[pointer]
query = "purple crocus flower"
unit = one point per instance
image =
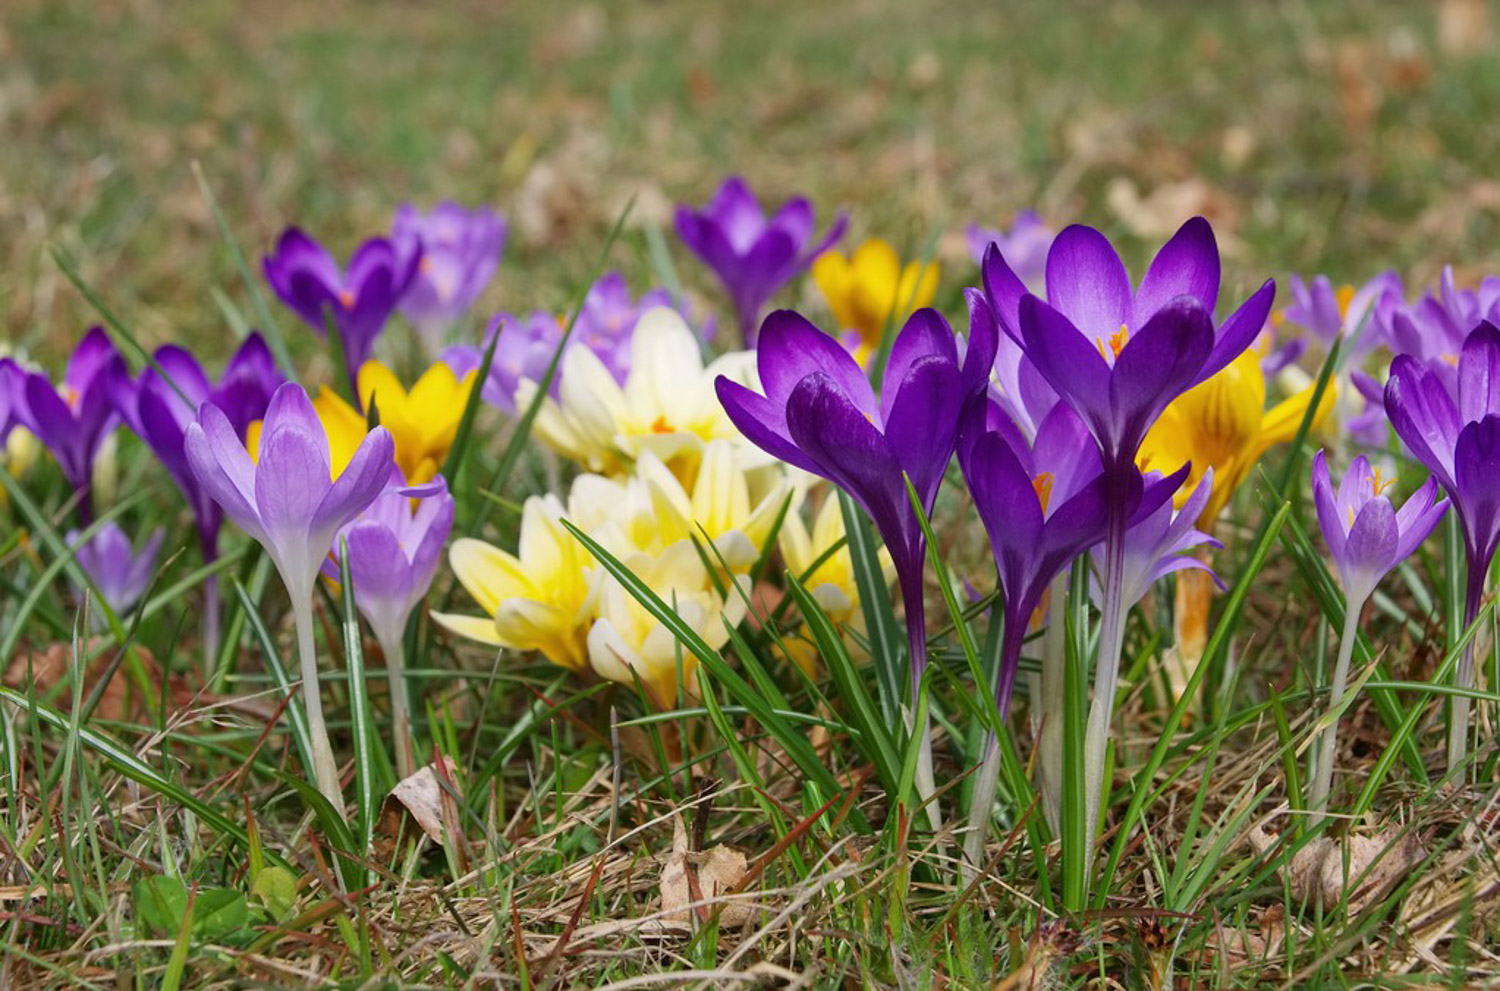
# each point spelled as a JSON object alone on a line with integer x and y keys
{"x": 1367, "y": 537}
{"x": 1434, "y": 327}
{"x": 1158, "y": 541}
{"x": 10, "y": 393}
{"x": 1118, "y": 355}
{"x": 118, "y": 570}
{"x": 159, "y": 410}
{"x": 394, "y": 549}
{"x": 289, "y": 501}
{"x": 1449, "y": 418}
{"x": 72, "y": 418}
{"x": 361, "y": 299}
{"x": 752, "y": 254}
{"x": 820, "y": 414}
{"x": 1042, "y": 504}
{"x": 606, "y": 323}
{"x": 459, "y": 249}
{"x": 1015, "y": 383}
{"x": 1328, "y": 311}
{"x": 1024, "y": 246}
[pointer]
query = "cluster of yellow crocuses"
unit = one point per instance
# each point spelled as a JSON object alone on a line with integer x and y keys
{"x": 673, "y": 492}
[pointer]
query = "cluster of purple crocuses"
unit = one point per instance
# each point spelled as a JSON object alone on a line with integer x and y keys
{"x": 1044, "y": 402}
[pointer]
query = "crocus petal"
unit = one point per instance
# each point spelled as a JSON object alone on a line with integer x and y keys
{"x": 1330, "y": 520}
{"x": 223, "y": 468}
{"x": 1068, "y": 360}
{"x": 1479, "y": 373}
{"x": 1087, "y": 282}
{"x": 1187, "y": 265}
{"x": 359, "y": 483}
{"x": 762, "y": 422}
{"x": 1158, "y": 363}
{"x": 1239, "y": 331}
{"x": 1371, "y": 549}
{"x": 926, "y": 335}
{"x": 923, "y": 413}
{"x": 291, "y": 478}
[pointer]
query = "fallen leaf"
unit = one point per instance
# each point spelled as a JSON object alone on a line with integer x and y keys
{"x": 1375, "y": 866}
{"x": 421, "y": 796}
{"x": 1463, "y": 26}
{"x": 712, "y": 873}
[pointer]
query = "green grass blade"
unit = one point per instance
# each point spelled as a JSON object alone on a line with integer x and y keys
{"x": 359, "y": 707}
{"x": 887, "y": 645}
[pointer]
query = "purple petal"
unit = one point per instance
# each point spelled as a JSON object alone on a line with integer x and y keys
{"x": 1068, "y": 360}
{"x": 922, "y": 424}
{"x": 925, "y": 335}
{"x": 1187, "y": 265}
{"x": 292, "y": 476}
{"x": 1240, "y": 330}
{"x": 358, "y": 484}
{"x": 1479, "y": 373}
{"x": 1087, "y": 282}
{"x": 790, "y": 348}
{"x": 223, "y": 468}
{"x": 762, "y": 422}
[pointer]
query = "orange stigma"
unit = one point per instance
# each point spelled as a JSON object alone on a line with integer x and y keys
{"x": 661, "y": 426}
{"x": 1116, "y": 342}
{"x": 1379, "y": 485}
{"x": 346, "y": 298}
{"x": 1042, "y": 486}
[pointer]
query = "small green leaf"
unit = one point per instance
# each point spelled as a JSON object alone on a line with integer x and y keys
{"x": 159, "y": 903}
{"x": 276, "y": 891}
{"x": 220, "y": 912}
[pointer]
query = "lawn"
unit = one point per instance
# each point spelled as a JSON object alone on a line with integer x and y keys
{"x": 160, "y": 820}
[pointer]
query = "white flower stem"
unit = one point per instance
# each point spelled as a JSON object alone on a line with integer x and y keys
{"x": 1106, "y": 671}
{"x": 325, "y": 768}
{"x": 1322, "y": 783}
{"x": 1053, "y": 702}
{"x": 395, "y": 673}
{"x": 1463, "y": 675}
{"x": 983, "y": 801}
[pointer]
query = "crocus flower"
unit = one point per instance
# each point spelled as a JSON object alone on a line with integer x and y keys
{"x": 819, "y": 413}
{"x": 1024, "y": 246}
{"x": 73, "y": 418}
{"x": 537, "y": 599}
{"x": 361, "y": 299}
{"x": 666, "y": 405}
{"x": 870, "y": 288}
{"x": 1118, "y": 356}
{"x": 605, "y": 325}
{"x": 752, "y": 255}
{"x": 119, "y": 571}
{"x": 1346, "y": 311}
{"x": 1434, "y": 327}
{"x": 1222, "y": 424}
{"x": 1015, "y": 384}
{"x": 1366, "y": 537}
{"x": 423, "y": 422}
{"x": 159, "y": 406}
{"x": 1449, "y": 418}
{"x": 10, "y": 390}
{"x": 289, "y": 499}
{"x": 459, "y": 250}
{"x": 393, "y": 549}
{"x": 1160, "y": 542}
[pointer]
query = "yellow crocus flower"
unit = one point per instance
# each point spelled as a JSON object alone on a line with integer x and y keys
{"x": 866, "y": 289}
{"x": 423, "y": 422}
{"x": 1223, "y": 423}
{"x": 537, "y": 599}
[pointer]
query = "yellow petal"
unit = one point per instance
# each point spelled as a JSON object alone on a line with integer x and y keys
{"x": 343, "y": 424}
{"x": 489, "y": 574}
{"x": 481, "y": 628}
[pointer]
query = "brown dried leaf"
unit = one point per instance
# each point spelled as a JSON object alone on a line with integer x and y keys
{"x": 712, "y": 873}
{"x": 1463, "y": 26}
{"x": 419, "y": 796}
{"x": 1375, "y": 865}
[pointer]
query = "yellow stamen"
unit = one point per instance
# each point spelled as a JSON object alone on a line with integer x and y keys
{"x": 1378, "y": 485}
{"x": 1042, "y": 486}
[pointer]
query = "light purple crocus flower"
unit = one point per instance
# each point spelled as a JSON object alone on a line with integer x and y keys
{"x": 1366, "y": 537}
{"x": 1158, "y": 542}
{"x": 393, "y": 550}
{"x": 118, "y": 570}
{"x": 606, "y": 323}
{"x": 1434, "y": 328}
{"x": 753, "y": 255}
{"x": 460, "y": 250}
{"x": 1449, "y": 418}
{"x": 1015, "y": 384}
{"x": 159, "y": 410}
{"x": 361, "y": 299}
{"x": 1024, "y": 246}
{"x": 11, "y": 385}
{"x": 288, "y": 501}
{"x": 1328, "y": 312}
{"x": 72, "y": 418}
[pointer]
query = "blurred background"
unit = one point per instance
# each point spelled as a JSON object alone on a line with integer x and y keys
{"x": 1338, "y": 137}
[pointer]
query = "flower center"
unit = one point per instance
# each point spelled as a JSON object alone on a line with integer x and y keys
{"x": 661, "y": 426}
{"x": 1042, "y": 486}
{"x": 1379, "y": 485}
{"x": 346, "y": 298}
{"x": 1116, "y": 342}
